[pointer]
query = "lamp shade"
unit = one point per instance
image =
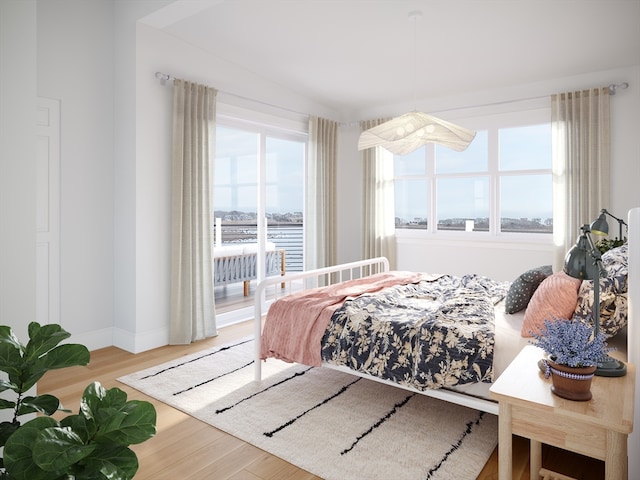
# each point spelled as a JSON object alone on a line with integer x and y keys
{"x": 408, "y": 132}
{"x": 575, "y": 262}
{"x": 600, "y": 226}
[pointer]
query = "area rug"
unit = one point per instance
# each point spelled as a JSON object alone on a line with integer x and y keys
{"x": 332, "y": 424}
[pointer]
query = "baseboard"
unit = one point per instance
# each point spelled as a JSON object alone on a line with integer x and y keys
{"x": 95, "y": 339}
{"x": 136, "y": 342}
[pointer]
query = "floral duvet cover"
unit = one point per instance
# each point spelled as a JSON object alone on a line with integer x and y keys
{"x": 426, "y": 335}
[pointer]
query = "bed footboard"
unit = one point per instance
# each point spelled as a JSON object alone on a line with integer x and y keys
{"x": 299, "y": 281}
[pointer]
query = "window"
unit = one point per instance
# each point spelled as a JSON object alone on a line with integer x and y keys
{"x": 240, "y": 152}
{"x": 501, "y": 184}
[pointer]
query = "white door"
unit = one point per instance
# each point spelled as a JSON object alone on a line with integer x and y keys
{"x": 48, "y": 212}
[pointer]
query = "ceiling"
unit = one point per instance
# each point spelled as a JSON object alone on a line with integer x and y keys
{"x": 353, "y": 54}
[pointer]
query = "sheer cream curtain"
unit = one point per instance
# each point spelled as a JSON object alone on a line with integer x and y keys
{"x": 581, "y": 163}
{"x": 320, "y": 214}
{"x": 378, "y": 223}
{"x": 192, "y": 295}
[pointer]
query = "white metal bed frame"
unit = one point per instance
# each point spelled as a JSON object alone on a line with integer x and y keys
{"x": 296, "y": 282}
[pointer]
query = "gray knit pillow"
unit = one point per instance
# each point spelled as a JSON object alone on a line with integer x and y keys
{"x": 523, "y": 287}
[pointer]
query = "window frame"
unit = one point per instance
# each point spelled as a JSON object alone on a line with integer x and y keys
{"x": 492, "y": 120}
{"x": 265, "y": 126}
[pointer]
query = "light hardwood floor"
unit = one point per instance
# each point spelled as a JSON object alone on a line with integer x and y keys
{"x": 185, "y": 448}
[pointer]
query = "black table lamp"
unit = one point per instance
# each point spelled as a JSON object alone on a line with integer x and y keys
{"x": 584, "y": 261}
{"x": 600, "y": 226}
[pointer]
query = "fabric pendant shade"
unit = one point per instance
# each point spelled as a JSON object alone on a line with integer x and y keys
{"x": 408, "y": 132}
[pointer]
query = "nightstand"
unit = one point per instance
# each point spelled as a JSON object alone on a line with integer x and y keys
{"x": 597, "y": 428}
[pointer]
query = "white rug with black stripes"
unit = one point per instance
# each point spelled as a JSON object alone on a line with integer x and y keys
{"x": 334, "y": 425}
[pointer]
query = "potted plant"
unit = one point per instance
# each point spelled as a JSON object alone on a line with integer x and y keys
{"x": 605, "y": 244}
{"x": 92, "y": 444}
{"x": 573, "y": 355}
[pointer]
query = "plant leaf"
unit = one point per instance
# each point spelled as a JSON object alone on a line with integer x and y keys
{"x": 115, "y": 463}
{"x": 117, "y": 420}
{"x": 57, "y": 448}
{"x": 85, "y": 428}
{"x": 47, "y": 404}
{"x": 18, "y": 452}
{"x": 42, "y": 339}
{"x": 6, "y": 385}
{"x": 6, "y": 430}
{"x": 91, "y": 400}
{"x": 62, "y": 356}
{"x": 11, "y": 362}
{"x": 8, "y": 337}
{"x": 134, "y": 422}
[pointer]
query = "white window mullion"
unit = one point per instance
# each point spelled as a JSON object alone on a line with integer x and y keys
{"x": 261, "y": 209}
{"x": 494, "y": 173}
{"x": 430, "y": 158}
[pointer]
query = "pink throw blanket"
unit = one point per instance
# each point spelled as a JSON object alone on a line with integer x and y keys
{"x": 296, "y": 323}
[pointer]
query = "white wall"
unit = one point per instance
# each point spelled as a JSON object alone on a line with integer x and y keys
{"x": 128, "y": 250}
{"x": 17, "y": 165}
{"x": 75, "y": 66}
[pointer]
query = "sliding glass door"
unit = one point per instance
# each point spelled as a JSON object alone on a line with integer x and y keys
{"x": 242, "y": 153}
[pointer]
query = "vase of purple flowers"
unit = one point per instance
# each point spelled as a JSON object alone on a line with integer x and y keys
{"x": 573, "y": 354}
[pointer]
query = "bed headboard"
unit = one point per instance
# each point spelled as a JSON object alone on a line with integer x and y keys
{"x": 633, "y": 333}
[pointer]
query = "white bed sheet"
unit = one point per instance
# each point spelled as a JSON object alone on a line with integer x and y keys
{"x": 508, "y": 343}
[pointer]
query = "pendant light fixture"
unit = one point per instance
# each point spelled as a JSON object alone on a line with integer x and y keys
{"x": 408, "y": 132}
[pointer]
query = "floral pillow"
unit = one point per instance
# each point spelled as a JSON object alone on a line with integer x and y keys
{"x": 613, "y": 293}
{"x": 523, "y": 287}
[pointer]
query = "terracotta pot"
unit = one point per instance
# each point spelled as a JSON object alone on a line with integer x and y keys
{"x": 573, "y": 383}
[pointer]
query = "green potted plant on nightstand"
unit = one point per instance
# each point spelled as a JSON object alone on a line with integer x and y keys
{"x": 93, "y": 444}
{"x": 573, "y": 355}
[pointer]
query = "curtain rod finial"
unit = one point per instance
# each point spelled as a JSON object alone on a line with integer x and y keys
{"x": 163, "y": 77}
{"x": 615, "y": 86}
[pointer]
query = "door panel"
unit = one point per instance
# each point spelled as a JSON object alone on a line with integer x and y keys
{"x": 48, "y": 211}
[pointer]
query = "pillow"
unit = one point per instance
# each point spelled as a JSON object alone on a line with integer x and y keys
{"x": 555, "y": 298}
{"x": 522, "y": 288}
{"x": 613, "y": 293}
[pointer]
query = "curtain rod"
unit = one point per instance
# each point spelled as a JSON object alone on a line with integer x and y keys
{"x": 613, "y": 88}
{"x": 164, "y": 78}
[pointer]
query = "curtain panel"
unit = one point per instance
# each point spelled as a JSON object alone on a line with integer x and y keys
{"x": 378, "y": 223}
{"x": 581, "y": 163}
{"x": 193, "y": 153}
{"x": 320, "y": 215}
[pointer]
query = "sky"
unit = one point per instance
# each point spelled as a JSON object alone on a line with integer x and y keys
{"x": 462, "y": 190}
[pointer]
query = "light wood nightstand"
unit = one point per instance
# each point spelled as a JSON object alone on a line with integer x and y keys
{"x": 597, "y": 428}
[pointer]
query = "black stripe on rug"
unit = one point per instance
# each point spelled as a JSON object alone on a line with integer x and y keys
{"x": 455, "y": 446}
{"x": 200, "y": 384}
{"x": 178, "y": 365}
{"x": 317, "y": 405}
{"x": 297, "y": 374}
{"x": 389, "y": 414}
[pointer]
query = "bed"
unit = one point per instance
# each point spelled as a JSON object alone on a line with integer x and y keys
{"x": 352, "y": 300}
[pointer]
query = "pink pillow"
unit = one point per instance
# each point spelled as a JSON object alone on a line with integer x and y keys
{"x": 555, "y": 298}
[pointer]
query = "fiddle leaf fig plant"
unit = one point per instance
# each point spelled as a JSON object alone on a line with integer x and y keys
{"x": 90, "y": 445}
